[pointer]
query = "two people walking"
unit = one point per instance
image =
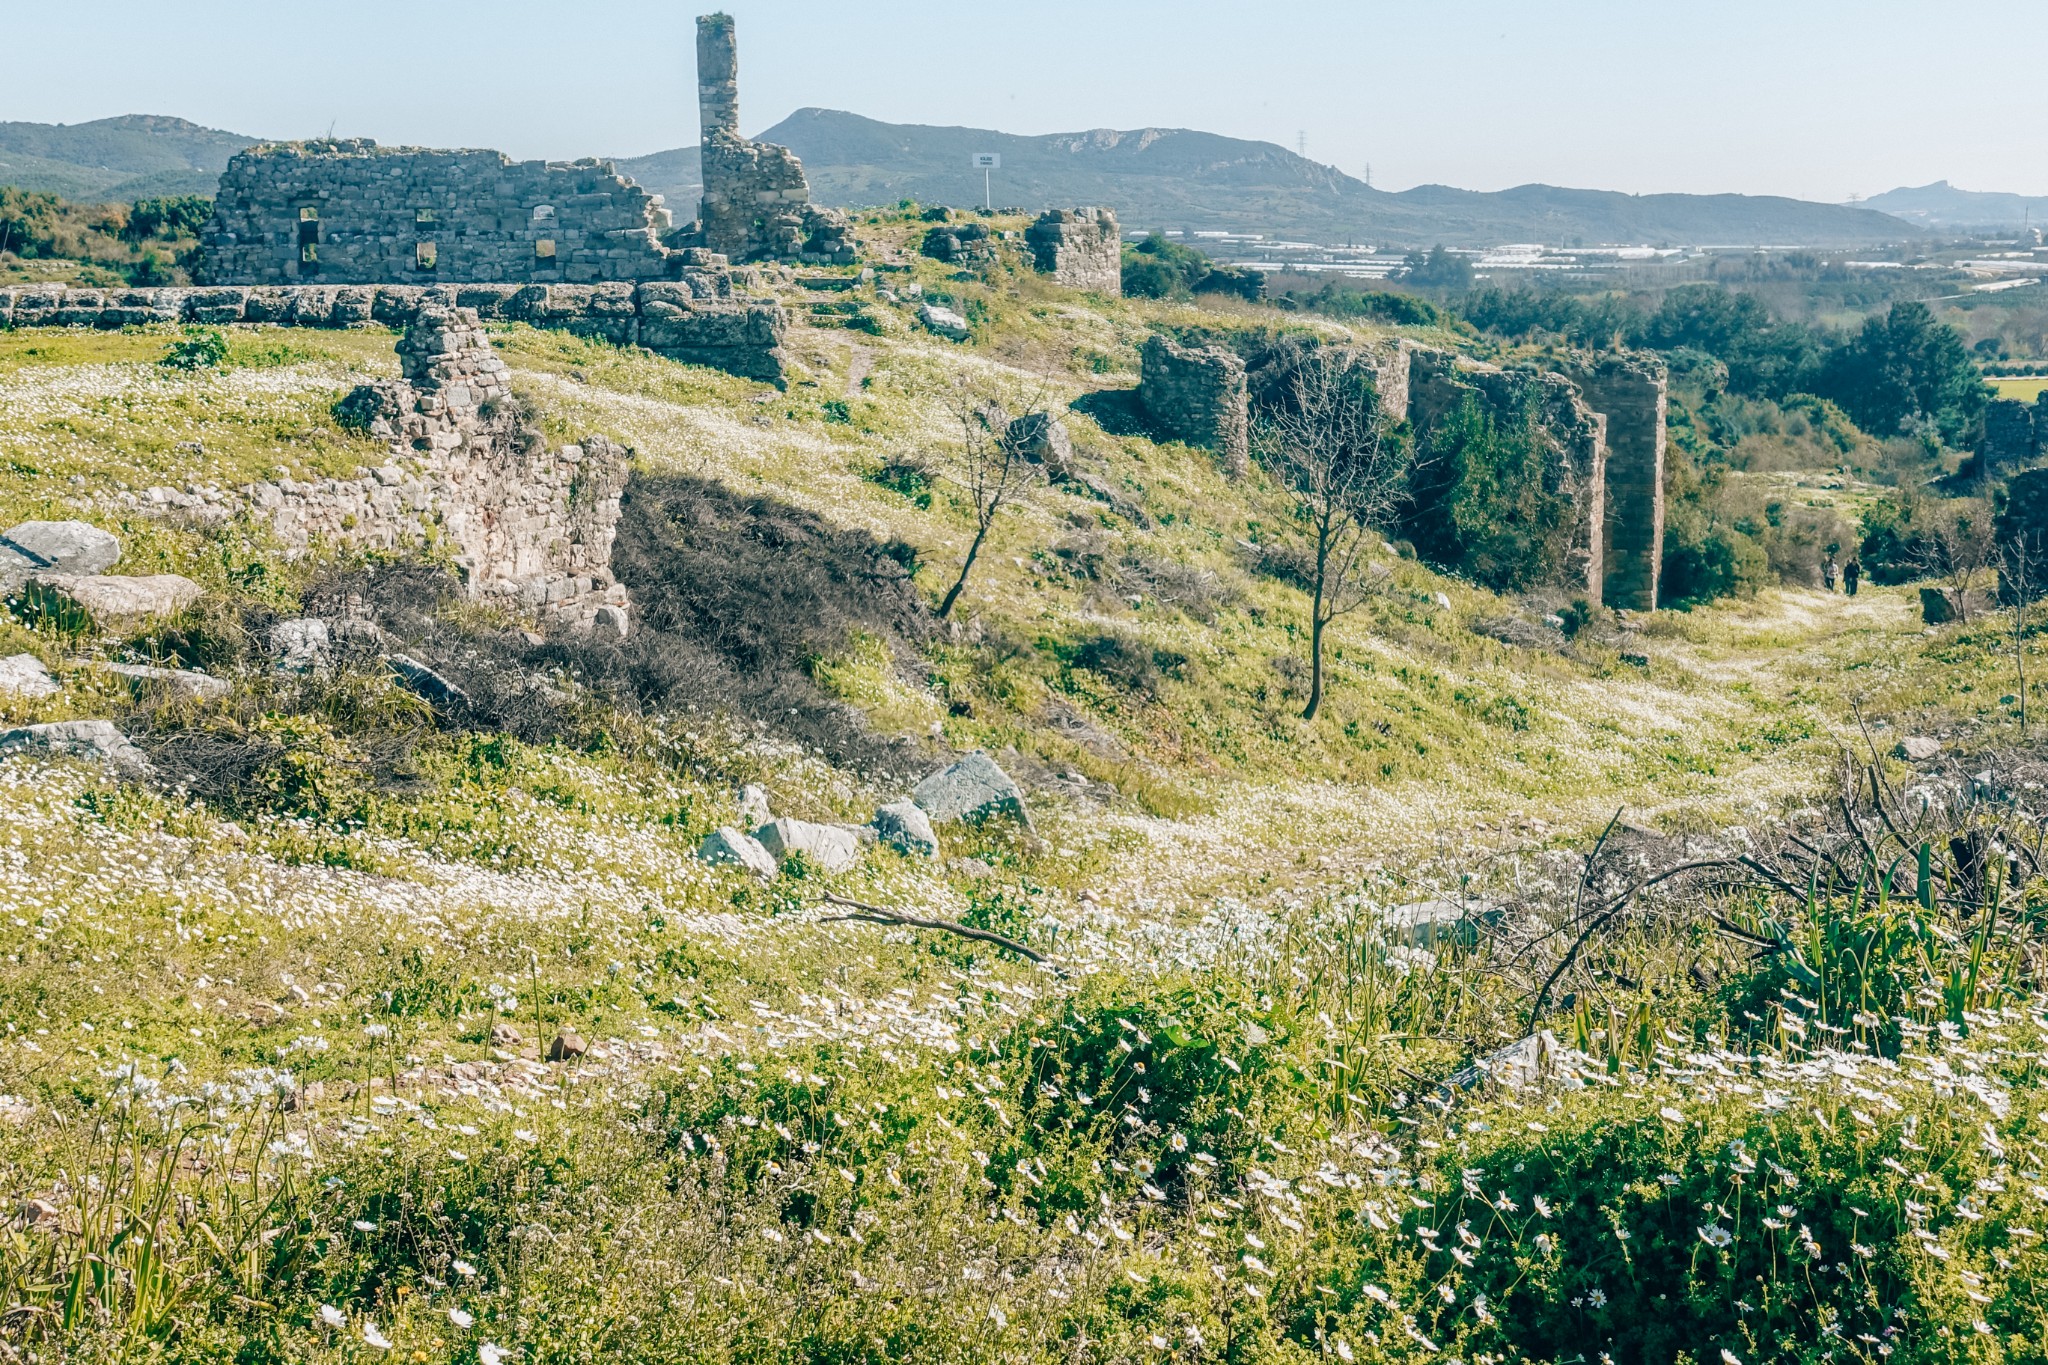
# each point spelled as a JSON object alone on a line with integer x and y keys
{"x": 1851, "y": 574}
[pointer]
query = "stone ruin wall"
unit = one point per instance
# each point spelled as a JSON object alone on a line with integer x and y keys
{"x": 1079, "y": 249}
{"x": 351, "y": 212}
{"x": 529, "y": 528}
{"x": 756, "y": 201}
{"x": 696, "y": 319}
{"x": 2014, "y": 435}
{"x": 1197, "y": 395}
{"x": 1630, "y": 391}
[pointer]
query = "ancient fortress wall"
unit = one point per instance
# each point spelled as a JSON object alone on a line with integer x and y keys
{"x": 697, "y": 319}
{"x": 1079, "y": 249}
{"x": 351, "y": 212}
{"x": 2014, "y": 433}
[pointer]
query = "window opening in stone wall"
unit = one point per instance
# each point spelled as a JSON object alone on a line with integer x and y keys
{"x": 309, "y": 214}
{"x": 423, "y": 216}
{"x": 309, "y": 260}
{"x": 543, "y": 213}
{"x": 544, "y": 249}
{"x": 425, "y": 256}
{"x": 309, "y": 232}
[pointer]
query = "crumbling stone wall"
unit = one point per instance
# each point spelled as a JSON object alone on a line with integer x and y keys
{"x": 2011, "y": 439}
{"x": 1423, "y": 385}
{"x": 1630, "y": 391}
{"x": 1079, "y": 248}
{"x": 696, "y": 318}
{"x": 756, "y": 200}
{"x": 529, "y": 527}
{"x": 1197, "y": 395}
{"x": 351, "y": 212}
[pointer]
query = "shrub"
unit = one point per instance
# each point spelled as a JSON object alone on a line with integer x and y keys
{"x": 201, "y": 348}
{"x": 1478, "y": 504}
{"x": 1705, "y": 560}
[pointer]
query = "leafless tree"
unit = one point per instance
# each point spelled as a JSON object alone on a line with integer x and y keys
{"x": 1329, "y": 442}
{"x": 2022, "y": 569}
{"x": 1959, "y": 548}
{"x": 992, "y": 469}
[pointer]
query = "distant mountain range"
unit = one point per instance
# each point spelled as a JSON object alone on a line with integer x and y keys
{"x": 1176, "y": 178}
{"x": 1152, "y": 177}
{"x": 1942, "y": 205}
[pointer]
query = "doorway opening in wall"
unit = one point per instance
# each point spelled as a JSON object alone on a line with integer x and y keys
{"x": 425, "y": 256}
{"x": 309, "y": 260}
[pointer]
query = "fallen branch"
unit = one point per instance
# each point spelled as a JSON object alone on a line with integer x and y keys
{"x": 875, "y": 914}
{"x": 1607, "y": 913}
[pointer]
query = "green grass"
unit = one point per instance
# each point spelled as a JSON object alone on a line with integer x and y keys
{"x": 800, "y": 1139}
{"x": 2025, "y": 390}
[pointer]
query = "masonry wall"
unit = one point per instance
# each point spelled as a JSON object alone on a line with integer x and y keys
{"x": 351, "y": 212}
{"x": 2010, "y": 440}
{"x": 1197, "y": 395}
{"x": 1630, "y": 391}
{"x": 696, "y": 319}
{"x": 1079, "y": 249}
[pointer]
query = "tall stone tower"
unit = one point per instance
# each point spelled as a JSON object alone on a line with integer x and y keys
{"x": 756, "y": 202}
{"x": 718, "y": 76}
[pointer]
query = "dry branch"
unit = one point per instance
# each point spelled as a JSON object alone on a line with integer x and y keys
{"x": 875, "y": 914}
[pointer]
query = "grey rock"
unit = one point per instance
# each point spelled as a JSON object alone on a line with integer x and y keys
{"x": 832, "y": 847}
{"x": 98, "y": 740}
{"x": 611, "y": 623}
{"x": 504, "y": 1035}
{"x": 23, "y": 675}
{"x": 972, "y": 789}
{"x": 755, "y": 809}
{"x": 300, "y": 645}
{"x": 1516, "y": 1065}
{"x": 1939, "y": 606}
{"x": 112, "y": 598}
{"x": 69, "y": 547}
{"x": 1041, "y": 438}
{"x": 182, "y": 680}
{"x": 1426, "y": 924}
{"x": 727, "y": 847}
{"x": 906, "y": 828}
{"x": 424, "y": 683}
{"x": 1917, "y": 748}
{"x": 945, "y": 322}
{"x": 567, "y": 1046}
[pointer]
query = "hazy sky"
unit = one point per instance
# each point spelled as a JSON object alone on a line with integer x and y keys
{"x": 1815, "y": 98}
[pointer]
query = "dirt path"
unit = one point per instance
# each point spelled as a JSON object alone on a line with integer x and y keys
{"x": 1742, "y": 668}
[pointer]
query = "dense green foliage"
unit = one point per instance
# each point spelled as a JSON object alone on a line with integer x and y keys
{"x": 1899, "y": 370}
{"x": 151, "y": 243}
{"x": 1478, "y": 504}
{"x": 1158, "y": 268}
{"x": 1339, "y": 300}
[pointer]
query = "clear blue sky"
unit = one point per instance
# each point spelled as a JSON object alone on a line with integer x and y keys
{"x": 1815, "y": 98}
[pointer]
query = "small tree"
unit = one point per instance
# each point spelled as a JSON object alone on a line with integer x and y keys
{"x": 1328, "y": 441}
{"x": 1959, "y": 548}
{"x": 992, "y": 469}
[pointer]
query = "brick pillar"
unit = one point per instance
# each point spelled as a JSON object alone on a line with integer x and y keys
{"x": 1630, "y": 392}
{"x": 718, "y": 76}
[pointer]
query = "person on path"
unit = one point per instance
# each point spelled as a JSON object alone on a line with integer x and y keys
{"x": 1828, "y": 571}
{"x": 1851, "y": 572}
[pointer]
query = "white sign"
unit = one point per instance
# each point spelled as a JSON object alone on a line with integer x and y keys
{"x": 988, "y": 161}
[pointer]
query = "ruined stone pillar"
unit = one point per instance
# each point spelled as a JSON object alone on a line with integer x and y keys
{"x": 1630, "y": 392}
{"x": 718, "y": 76}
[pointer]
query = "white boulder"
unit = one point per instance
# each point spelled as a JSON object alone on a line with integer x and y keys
{"x": 98, "y": 740}
{"x": 833, "y": 847}
{"x": 727, "y": 847}
{"x": 23, "y": 675}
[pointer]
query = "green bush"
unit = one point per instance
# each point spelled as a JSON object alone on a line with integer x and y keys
{"x": 1705, "y": 560}
{"x": 1478, "y": 501}
{"x": 201, "y": 348}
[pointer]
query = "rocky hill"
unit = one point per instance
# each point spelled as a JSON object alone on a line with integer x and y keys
{"x": 1942, "y": 205}
{"x": 134, "y": 156}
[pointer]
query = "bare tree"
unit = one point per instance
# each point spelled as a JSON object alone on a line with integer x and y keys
{"x": 1329, "y": 443}
{"x": 991, "y": 468}
{"x": 1958, "y": 549}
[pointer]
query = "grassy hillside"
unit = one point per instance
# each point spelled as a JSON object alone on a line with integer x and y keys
{"x": 116, "y": 160}
{"x": 273, "y": 1061}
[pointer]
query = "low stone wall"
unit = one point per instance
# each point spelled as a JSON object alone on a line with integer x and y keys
{"x": 1079, "y": 248}
{"x": 528, "y": 526}
{"x": 1197, "y": 395}
{"x": 697, "y": 319}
